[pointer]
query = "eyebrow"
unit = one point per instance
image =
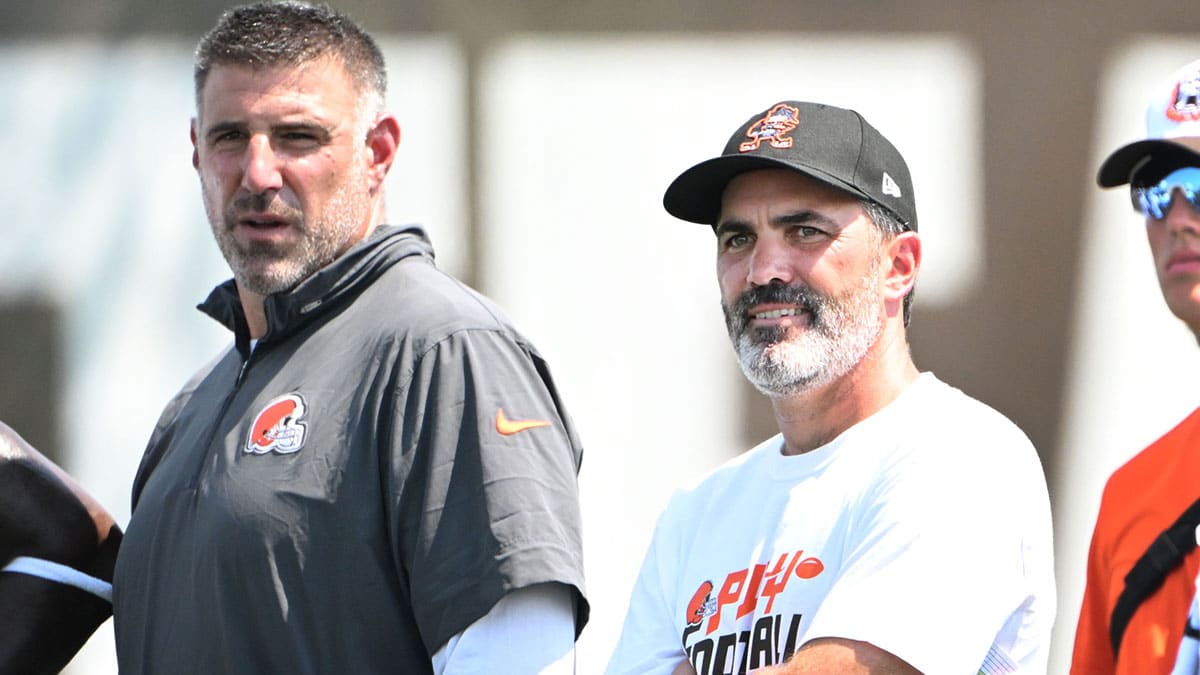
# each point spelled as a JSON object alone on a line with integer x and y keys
{"x": 804, "y": 217}
{"x": 223, "y": 127}
{"x": 314, "y": 128}
{"x": 728, "y": 226}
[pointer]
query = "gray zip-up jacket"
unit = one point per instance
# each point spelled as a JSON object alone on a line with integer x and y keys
{"x": 389, "y": 461}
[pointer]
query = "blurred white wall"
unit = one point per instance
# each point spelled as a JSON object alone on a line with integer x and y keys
{"x": 104, "y": 221}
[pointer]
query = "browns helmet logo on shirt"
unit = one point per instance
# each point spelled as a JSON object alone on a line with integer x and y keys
{"x": 279, "y": 427}
{"x": 702, "y": 604}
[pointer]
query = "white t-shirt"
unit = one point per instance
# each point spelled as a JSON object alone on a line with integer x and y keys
{"x": 924, "y": 530}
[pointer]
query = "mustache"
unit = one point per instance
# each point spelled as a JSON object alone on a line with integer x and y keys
{"x": 801, "y": 296}
{"x": 256, "y": 203}
{"x": 267, "y": 203}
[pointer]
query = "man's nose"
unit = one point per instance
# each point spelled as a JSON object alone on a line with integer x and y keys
{"x": 261, "y": 171}
{"x": 1182, "y": 217}
{"x": 769, "y": 263}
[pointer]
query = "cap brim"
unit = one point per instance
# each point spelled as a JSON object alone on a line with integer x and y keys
{"x": 1119, "y": 167}
{"x": 695, "y": 196}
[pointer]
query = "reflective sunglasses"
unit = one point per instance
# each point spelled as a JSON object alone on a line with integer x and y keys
{"x": 1155, "y": 200}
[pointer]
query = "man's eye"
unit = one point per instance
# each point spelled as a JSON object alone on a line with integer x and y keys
{"x": 299, "y": 139}
{"x": 737, "y": 240}
{"x": 226, "y": 137}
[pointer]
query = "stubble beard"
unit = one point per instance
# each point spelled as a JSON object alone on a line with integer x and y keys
{"x": 782, "y": 361}
{"x": 265, "y": 268}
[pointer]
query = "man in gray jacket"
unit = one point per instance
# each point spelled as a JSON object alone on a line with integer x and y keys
{"x": 378, "y": 475}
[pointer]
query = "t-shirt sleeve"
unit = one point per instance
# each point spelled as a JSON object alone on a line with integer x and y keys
{"x": 1093, "y": 653}
{"x": 649, "y": 643}
{"x": 484, "y": 498}
{"x": 939, "y": 561}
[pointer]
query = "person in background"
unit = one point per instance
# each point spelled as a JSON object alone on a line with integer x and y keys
{"x": 1142, "y": 563}
{"x": 379, "y": 474}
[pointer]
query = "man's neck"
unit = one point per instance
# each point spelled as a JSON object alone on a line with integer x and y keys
{"x": 811, "y": 419}
{"x": 252, "y": 303}
{"x": 252, "y": 308}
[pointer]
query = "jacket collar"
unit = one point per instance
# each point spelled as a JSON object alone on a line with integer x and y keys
{"x": 333, "y": 285}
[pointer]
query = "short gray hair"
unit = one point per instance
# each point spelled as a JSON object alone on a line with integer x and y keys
{"x": 291, "y": 33}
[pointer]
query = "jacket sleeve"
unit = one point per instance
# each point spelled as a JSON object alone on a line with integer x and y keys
{"x": 485, "y": 497}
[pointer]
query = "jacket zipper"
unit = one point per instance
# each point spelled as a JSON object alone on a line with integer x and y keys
{"x": 208, "y": 447}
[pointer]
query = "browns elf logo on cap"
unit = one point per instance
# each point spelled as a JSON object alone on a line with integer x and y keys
{"x": 831, "y": 145}
{"x": 773, "y": 127}
{"x": 279, "y": 427}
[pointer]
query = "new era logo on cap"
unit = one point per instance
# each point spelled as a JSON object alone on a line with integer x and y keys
{"x": 832, "y": 145}
{"x": 890, "y": 187}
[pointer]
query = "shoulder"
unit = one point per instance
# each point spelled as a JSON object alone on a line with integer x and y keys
{"x": 1177, "y": 445}
{"x": 15, "y": 453}
{"x": 228, "y": 361}
{"x": 1167, "y": 464}
{"x": 947, "y": 416}
{"x": 944, "y": 399}
{"x": 944, "y": 432}
{"x": 210, "y": 382}
{"x": 416, "y": 297}
{"x": 11, "y": 445}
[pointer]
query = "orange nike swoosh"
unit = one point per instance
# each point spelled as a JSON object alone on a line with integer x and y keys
{"x": 509, "y": 427}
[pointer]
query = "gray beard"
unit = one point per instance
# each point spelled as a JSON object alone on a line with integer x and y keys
{"x": 787, "y": 361}
{"x": 264, "y": 268}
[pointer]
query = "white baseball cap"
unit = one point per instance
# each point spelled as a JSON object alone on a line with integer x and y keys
{"x": 1172, "y": 130}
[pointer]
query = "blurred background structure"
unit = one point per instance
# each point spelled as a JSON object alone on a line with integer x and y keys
{"x": 538, "y": 138}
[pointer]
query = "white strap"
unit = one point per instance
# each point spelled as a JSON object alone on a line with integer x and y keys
{"x": 62, "y": 574}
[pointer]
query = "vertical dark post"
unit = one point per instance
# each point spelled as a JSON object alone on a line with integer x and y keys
{"x": 31, "y": 363}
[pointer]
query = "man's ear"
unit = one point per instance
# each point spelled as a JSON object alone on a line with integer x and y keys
{"x": 195, "y": 152}
{"x": 382, "y": 141}
{"x": 902, "y": 264}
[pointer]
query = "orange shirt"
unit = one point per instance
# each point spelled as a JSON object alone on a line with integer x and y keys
{"x": 1140, "y": 500}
